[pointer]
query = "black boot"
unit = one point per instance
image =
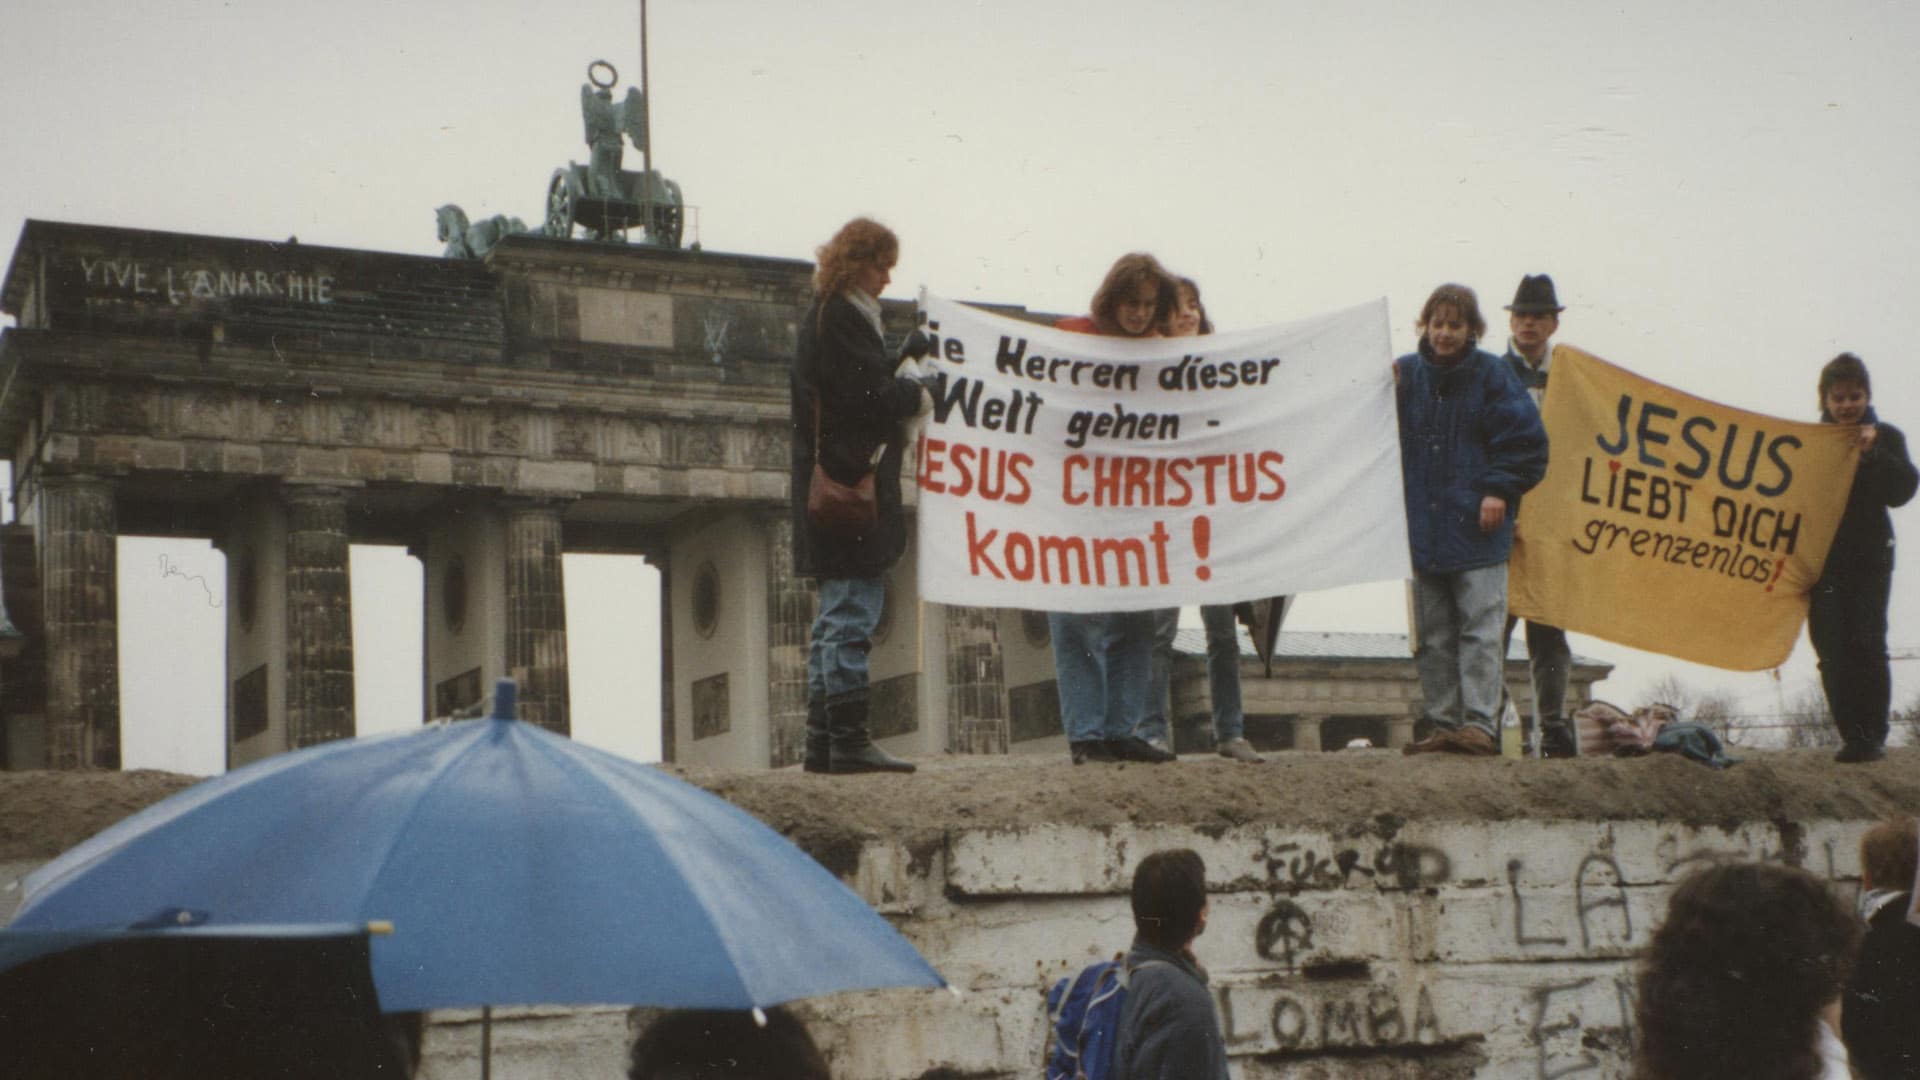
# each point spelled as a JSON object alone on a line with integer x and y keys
{"x": 818, "y": 755}
{"x": 1557, "y": 740}
{"x": 853, "y": 750}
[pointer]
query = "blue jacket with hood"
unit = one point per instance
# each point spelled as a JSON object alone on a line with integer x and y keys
{"x": 1467, "y": 430}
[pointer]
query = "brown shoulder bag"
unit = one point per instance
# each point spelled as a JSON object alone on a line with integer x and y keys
{"x": 834, "y": 507}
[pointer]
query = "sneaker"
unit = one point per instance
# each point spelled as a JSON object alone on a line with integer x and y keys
{"x": 1241, "y": 750}
{"x": 1474, "y": 741}
{"x": 1855, "y": 754}
{"x": 1438, "y": 740}
{"x": 1134, "y": 748}
{"x": 1094, "y": 750}
{"x": 1558, "y": 742}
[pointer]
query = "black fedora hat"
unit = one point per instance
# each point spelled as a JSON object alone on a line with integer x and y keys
{"x": 1535, "y": 296}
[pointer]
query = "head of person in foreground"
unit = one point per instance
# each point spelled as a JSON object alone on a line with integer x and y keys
{"x": 1736, "y": 978}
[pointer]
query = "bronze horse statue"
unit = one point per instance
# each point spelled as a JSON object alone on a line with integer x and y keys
{"x": 466, "y": 240}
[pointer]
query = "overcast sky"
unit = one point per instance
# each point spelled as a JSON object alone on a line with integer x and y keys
{"x": 1727, "y": 194}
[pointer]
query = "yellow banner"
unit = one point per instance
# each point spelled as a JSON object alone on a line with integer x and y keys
{"x": 1673, "y": 524}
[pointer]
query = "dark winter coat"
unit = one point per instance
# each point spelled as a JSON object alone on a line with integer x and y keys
{"x": 1467, "y": 430}
{"x": 1168, "y": 1027}
{"x": 1880, "y": 1015}
{"x": 843, "y": 364}
{"x": 1863, "y": 545}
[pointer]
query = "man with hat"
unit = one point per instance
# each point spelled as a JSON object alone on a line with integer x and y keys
{"x": 1535, "y": 317}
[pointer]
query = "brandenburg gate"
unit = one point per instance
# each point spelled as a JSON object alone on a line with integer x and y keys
{"x": 286, "y": 400}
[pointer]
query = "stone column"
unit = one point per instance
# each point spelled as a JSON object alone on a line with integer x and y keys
{"x": 792, "y": 603}
{"x": 977, "y": 717}
{"x": 537, "y": 615}
{"x": 319, "y": 616}
{"x": 1307, "y": 732}
{"x": 668, "y": 750}
{"x": 79, "y": 599}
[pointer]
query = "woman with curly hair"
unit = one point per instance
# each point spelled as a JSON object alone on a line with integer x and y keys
{"x": 1743, "y": 979}
{"x": 848, "y": 406}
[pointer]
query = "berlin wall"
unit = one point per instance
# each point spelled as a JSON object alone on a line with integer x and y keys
{"x": 1383, "y": 947}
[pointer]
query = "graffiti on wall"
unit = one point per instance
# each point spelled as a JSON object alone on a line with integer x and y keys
{"x": 1315, "y": 987}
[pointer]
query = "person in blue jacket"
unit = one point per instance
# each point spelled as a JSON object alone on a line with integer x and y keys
{"x": 1471, "y": 444}
{"x": 1169, "y": 1028}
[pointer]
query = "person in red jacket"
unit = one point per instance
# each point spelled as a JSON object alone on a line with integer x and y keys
{"x": 1102, "y": 661}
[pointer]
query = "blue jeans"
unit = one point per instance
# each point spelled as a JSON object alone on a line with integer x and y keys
{"x": 1459, "y": 617}
{"x": 1102, "y": 663}
{"x": 842, "y": 637}
{"x": 1548, "y": 660}
{"x": 1153, "y": 727}
{"x": 1223, "y": 674}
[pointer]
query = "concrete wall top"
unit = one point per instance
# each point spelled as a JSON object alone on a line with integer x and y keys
{"x": 1372, "y": 915}
{"x": 1358, "y": 793}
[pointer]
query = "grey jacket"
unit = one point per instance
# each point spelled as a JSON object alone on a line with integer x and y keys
{"x": 1168, "y": 1027}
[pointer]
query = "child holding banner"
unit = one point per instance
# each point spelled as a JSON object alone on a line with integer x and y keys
{"x": 1847, "y": 611}
{"x": 1103, "y": 661}
{"x": 1189, "y": 318}
{"x": 1471, "y": 443}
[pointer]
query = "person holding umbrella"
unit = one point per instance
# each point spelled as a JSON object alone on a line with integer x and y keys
{"x": 848, "y": 405}
{"x": 475, "y": 864}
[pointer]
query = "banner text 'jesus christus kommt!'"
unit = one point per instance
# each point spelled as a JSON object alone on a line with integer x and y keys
{"x": 1073, "y": 472}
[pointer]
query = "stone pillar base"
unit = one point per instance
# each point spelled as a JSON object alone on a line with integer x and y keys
{"x": 537, "y": 616}
{"x": 1306, "y": 733}
{"x": 79, "y": 579}
{"x": 1399, "y": 731}
{"x": 319, "y": 617}
{"x": 977, "y": 718}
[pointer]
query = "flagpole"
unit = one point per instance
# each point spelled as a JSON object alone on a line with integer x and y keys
{"x": 646, "y": 128}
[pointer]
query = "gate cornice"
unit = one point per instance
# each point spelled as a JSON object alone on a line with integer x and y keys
{"x": 631, "y": 383}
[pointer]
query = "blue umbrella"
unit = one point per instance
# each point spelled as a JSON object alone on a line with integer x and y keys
{"x": 516, "y": 867}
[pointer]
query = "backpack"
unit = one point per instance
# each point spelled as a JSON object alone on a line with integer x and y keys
{"x": 1083, "y": 1020}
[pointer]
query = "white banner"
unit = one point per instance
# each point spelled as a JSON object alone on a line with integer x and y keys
{"x": 1072, "y": 472}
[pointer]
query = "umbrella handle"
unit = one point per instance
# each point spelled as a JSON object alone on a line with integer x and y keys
{"x": 506, "y": 700}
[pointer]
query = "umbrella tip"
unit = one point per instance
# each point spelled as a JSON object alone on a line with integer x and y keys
{"x": 506, "y": 700}
{"x": 759, "y": 1017}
